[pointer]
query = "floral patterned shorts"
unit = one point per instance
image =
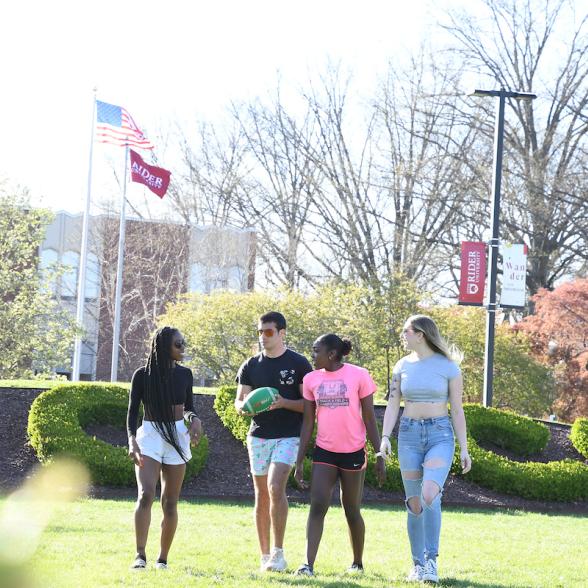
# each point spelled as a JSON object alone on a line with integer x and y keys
{"x": 262, "y": 452}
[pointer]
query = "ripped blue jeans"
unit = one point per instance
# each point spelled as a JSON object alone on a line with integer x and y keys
{"x": 425, "y": 452}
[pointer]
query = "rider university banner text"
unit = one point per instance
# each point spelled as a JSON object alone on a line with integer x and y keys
{"x": 473, "y": 273}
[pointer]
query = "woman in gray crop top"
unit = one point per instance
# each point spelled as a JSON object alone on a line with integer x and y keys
{"x": 428, "y": 380}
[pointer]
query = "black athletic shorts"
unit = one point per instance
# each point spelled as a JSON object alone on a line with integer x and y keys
{"x": 355, "y": 461}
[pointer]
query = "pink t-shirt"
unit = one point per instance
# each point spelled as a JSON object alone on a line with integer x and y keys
{"x": 340, "y": 427}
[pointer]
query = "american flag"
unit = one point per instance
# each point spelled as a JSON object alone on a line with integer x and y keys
{"x": 116, "y": 126}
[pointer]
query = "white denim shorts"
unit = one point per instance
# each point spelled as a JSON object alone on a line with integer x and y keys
{"x": 153, "y": 445}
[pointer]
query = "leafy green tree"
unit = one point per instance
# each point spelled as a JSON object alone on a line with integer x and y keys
{"x": 221, "y": 327}
{"x": 35, "y": 335}
{"x": 520, "y": 382}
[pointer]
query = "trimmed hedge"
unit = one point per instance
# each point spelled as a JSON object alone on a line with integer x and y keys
{"x": 506, "y": 429}
{"x": 579, "y": 435}
{"x": 565, "y": 480}
{"x": 224, "y": 405}
{"x": 562, "y": 481}
{"x": 393, "y": 481}
{"x": 56, "y": 427}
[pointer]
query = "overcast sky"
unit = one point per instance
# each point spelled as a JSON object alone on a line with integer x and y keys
{"x": 167, "y": 62}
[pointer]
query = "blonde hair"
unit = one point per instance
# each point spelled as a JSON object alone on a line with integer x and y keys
{"x": 427, "y": 326}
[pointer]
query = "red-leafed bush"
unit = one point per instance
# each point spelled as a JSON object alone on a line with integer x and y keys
{"x": 559, "y": 334}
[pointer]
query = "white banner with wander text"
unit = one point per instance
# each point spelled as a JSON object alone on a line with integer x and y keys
{"x": 514, "y": 275}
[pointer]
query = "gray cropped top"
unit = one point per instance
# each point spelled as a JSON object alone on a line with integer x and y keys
{"x": 426, "y": 380}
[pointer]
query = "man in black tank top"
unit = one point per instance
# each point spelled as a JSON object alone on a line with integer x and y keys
{"x": 274, "y": 435}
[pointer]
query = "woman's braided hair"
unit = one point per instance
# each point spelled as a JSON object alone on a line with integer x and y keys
{"x": 158, "y": 396}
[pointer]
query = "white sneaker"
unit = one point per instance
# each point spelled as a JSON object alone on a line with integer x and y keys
{"x": 160, "y": 565}
{"x": 355, "y": 569}
{"x": 139, "y": 564}
{"x": 304, "y": 570}
{"x": 430, "y": 574}
{"x": 416, "y": 574}
{"x": 276, "y": 562}
{"x": 263, "y": 561}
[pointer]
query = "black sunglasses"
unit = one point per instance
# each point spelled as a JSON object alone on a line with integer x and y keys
{"x": 180, "y": 344}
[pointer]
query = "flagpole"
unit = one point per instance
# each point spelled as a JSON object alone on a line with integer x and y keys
{"x": 119, "y": 275}
{"x": 81, "y": 295}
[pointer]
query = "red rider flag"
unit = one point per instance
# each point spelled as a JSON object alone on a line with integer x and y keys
{"x": 473, "y": 273}
{"x": 155, "y": 178}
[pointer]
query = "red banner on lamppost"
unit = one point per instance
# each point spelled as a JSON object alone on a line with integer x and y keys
{"x": 473, "y": 273}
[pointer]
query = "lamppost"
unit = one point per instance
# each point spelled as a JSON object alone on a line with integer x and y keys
{"x": 502, "y": 95}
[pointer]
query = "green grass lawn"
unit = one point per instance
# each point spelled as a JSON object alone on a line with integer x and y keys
{"x": 29, "y": 383}
{"x": 91, "y": 543}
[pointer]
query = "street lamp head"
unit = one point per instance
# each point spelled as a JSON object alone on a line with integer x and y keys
{"x": 523, "y": 96}
{"x": 483, "y": 93}
{"x": 503, "y": 92}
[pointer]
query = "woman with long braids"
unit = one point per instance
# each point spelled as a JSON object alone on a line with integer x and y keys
{"x": 160, "y": 447}
{"x": 428, "y": 380}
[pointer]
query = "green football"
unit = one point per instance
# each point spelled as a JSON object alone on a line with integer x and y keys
{"x": 260, "y": 399}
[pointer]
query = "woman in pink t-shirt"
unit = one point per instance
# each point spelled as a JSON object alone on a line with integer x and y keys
{"x": 340, "y": 396}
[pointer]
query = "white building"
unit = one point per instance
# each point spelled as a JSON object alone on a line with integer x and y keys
{"x": 216, "y": 258}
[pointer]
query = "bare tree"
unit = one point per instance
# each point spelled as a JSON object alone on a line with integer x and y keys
{"x": 155, "y": 274}
{"x": 206, "y": 192}
{"x": 536, "y": 46}
{"x": 347, "y": 240}
{"x": 394, "y": 192}
{"x": 425, "y": 166}
{"x": 281, "y": 187}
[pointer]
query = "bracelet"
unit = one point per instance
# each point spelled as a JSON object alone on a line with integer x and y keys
{"x": 379, "y": 454}
{"x": 387, "y": 436}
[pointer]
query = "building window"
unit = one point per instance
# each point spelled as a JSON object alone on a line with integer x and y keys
{"x": 69, "y": 279}
{"x": 235, "y": 278}
{"x": 204, "y": 279}
{"x": 92, "y": 289}
{"x": 198, "y": 279}
{"x": 48, "y": 261}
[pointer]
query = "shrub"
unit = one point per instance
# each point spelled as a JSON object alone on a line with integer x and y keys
{"x": 224, "y": 405}
{"x": 393, "y": 477}
{"x": 579, "y": 435}
{"x": 559, "y": 481}
{"x": 565, "y": 480}
{"x": 506, "y": 429}
{"x": 224, "y": 340}
{"x": 56, "y": 427}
